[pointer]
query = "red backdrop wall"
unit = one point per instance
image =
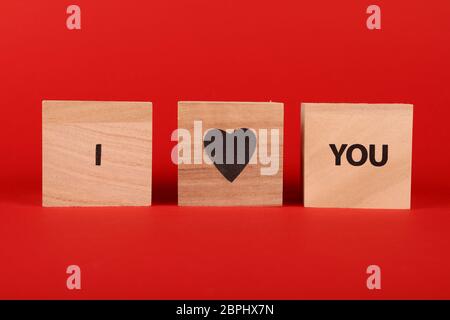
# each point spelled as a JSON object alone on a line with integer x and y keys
{"x": 166, "y": 51}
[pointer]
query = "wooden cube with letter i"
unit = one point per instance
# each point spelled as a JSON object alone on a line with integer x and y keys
{"x": 96, "y": 153}
{"x": 229, "y": 153}
{"x": 357, "y": 155}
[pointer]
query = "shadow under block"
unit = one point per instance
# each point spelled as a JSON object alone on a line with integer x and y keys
{"x": 203, "y": 184}
{"x": 96, "y": 153}
{"x": 353, "y": 182}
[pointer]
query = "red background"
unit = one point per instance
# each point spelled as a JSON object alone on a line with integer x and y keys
{"x": 165, "y": 51}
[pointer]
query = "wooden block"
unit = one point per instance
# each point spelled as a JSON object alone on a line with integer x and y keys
{"x": 96, "y": 153}
{"x": 374, "y": 169}
{"x": 258, "y": 183}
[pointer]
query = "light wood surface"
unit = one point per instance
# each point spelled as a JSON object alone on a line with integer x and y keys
{"x": 202, "y": 184}
{"x": 366, "y": 186}
{"x": 71, "y": 131}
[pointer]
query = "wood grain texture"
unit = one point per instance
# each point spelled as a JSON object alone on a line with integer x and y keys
{"x": 365, "y": 186}
{"x": 202, "y": 184}
{"x": 70, "y": 132}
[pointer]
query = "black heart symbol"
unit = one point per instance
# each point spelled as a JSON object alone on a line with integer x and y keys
{"x": 230, "y": 152}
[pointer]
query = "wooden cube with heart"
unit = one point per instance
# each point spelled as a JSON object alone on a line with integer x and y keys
{"x": 230, "y": 153}
{"x": 96, "y": 153}
{"x": 357, "y": 155}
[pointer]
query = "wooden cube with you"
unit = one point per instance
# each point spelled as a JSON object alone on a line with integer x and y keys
{"x": 357, "y": 155}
